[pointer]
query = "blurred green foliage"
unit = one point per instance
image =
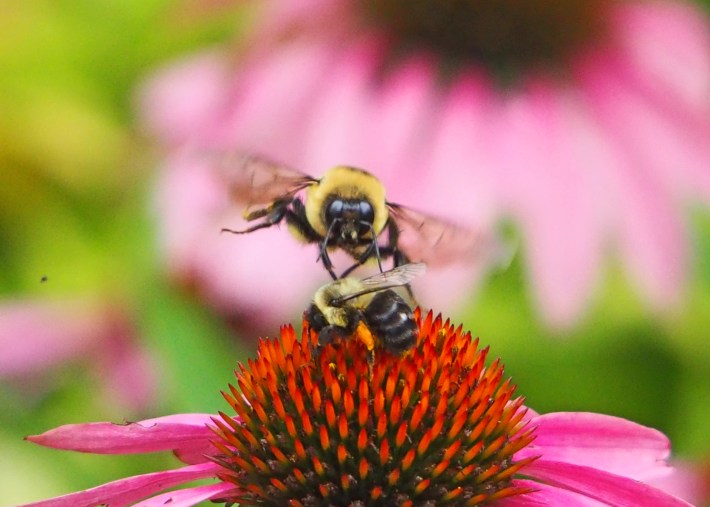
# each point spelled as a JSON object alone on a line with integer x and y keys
{"x": 75, "y": 182}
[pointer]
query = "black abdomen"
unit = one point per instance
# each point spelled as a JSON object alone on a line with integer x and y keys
{"x": 391, "y": 320}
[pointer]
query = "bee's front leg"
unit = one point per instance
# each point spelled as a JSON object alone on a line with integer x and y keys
{"x": 274, "y": 213}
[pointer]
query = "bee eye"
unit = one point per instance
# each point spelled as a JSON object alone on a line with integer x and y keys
{"x": 335, "y": 210}
{"x": 367, "y": 214}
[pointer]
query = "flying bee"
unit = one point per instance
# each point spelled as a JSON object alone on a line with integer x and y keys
{"x": 346, "y": 209}
{"x": 366, "y": 309}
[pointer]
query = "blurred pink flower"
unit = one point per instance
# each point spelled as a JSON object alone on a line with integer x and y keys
{"x": 39, "y": 338}
{"x": 587, "y": 123}
{"x": 288, "y": 444}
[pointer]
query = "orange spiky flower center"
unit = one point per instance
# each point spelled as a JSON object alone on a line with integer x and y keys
{"x": 434, "y": 427}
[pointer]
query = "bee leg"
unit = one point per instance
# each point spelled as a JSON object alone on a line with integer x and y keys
{"x": 372, "y": 249}
{"x": 297, "y": 219}
{"x": 273, "y": 213}
{"x": 370, "y": 363}
{"x": 327, "y": 263}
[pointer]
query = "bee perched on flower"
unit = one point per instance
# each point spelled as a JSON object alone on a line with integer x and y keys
{"x": 438, "y": 426}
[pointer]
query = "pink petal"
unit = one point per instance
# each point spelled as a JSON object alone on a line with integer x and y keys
{"x": 611, "y": 443}
{"x": 462, "y": 148}
{"x": 150, "y": 435}
{"x": 35, "y": 335}
{"x": 398, "y": 127}
{"x": 686, "y": 481}
{"x": 668, "y": 43}
{"x": 611, "y": 489}
{"x": 234, "y": 265}
{"x": 182, "y": 99}
{"x": 187, "y": 497}
{"x": 194, "y": 206}
{"x": 194, "y": 453}
{"x": 554, "y": 197}
{"x": 665, "y": 138}
{"x": 131, "y": 489}
{"x": 335, "y": 131}
{"x": 643, "y": 186}
{"x": 274, "y": 99}
{"x": 188, "y": 196}
{"x": 544, "y": 495}
{"x": 129, "y": 371}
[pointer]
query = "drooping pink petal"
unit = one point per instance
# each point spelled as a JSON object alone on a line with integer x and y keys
{"x": 614, "y": 490}
{"x": 667, "y": 41}
{"x": 648, "y": 228}
{"x": 225, "y": 266}
{"x": 150, "y": 435}
{"x": 184, "y": 98}
{"x": 127, "y": 491}
{"x": 544, "y": 495}
{"x": 35, "y": 335}
{"x": 187, "y": 197}
{"x": 686, "y": 481}
{"x": 397, "y": 127}
{"x": 130, "y": 373}
{"x": 273, "y": 100}
{"x": 462, "y": 147}
{"x": 335, "y": 129}
{"x": 613, "y": 444}
{"x": 553, "y": 195}
{"x": 187, "y": 497}
{"x": 664, "y": 139}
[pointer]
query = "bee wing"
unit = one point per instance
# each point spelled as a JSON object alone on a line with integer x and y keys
{"x": 397, "y": 277}
{"x": 255, "y": 180}
{"x": 439, "y": 242}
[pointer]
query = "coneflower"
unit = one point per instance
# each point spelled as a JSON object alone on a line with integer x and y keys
{"x": 438, "y": 426}
{"x": 585, "y": 122}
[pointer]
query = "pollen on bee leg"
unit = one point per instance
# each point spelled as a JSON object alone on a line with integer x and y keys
{"x": 363, "y": 334}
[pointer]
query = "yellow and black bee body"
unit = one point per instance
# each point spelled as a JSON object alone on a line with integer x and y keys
{"x": 368, "y": 310}
{"x": 345, "y": 209}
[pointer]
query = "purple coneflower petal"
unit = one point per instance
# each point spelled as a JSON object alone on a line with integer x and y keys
{"x": 544, "y": 495}
{"x": 151, "y": 435}
{"x": 590, "y": 439}
{"x": 264, "y": 112}
{"x": 608, "y": 488}
{"x": 668, "y": 42}
{"x": 553, "y": 197}
{"x": 127, "y": 491}
{"x": 185, "y": 98}
{"x": 399, "y": 125}
{"x": 35, "y": 335}
{"x": 187, "y": 497}
{"x": 335, "y": 132}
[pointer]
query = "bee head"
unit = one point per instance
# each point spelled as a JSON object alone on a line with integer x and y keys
{"x": 349, "y": 219}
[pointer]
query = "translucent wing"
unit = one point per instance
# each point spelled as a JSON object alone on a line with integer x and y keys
{"x": 396, "y": 277}
{"x": 255, "y": 180}
{"x": 437, "y": 242}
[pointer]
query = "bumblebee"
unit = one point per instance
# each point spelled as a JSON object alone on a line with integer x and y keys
{"x": 345, "y": 209}
{"x": 368, "y": 310}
